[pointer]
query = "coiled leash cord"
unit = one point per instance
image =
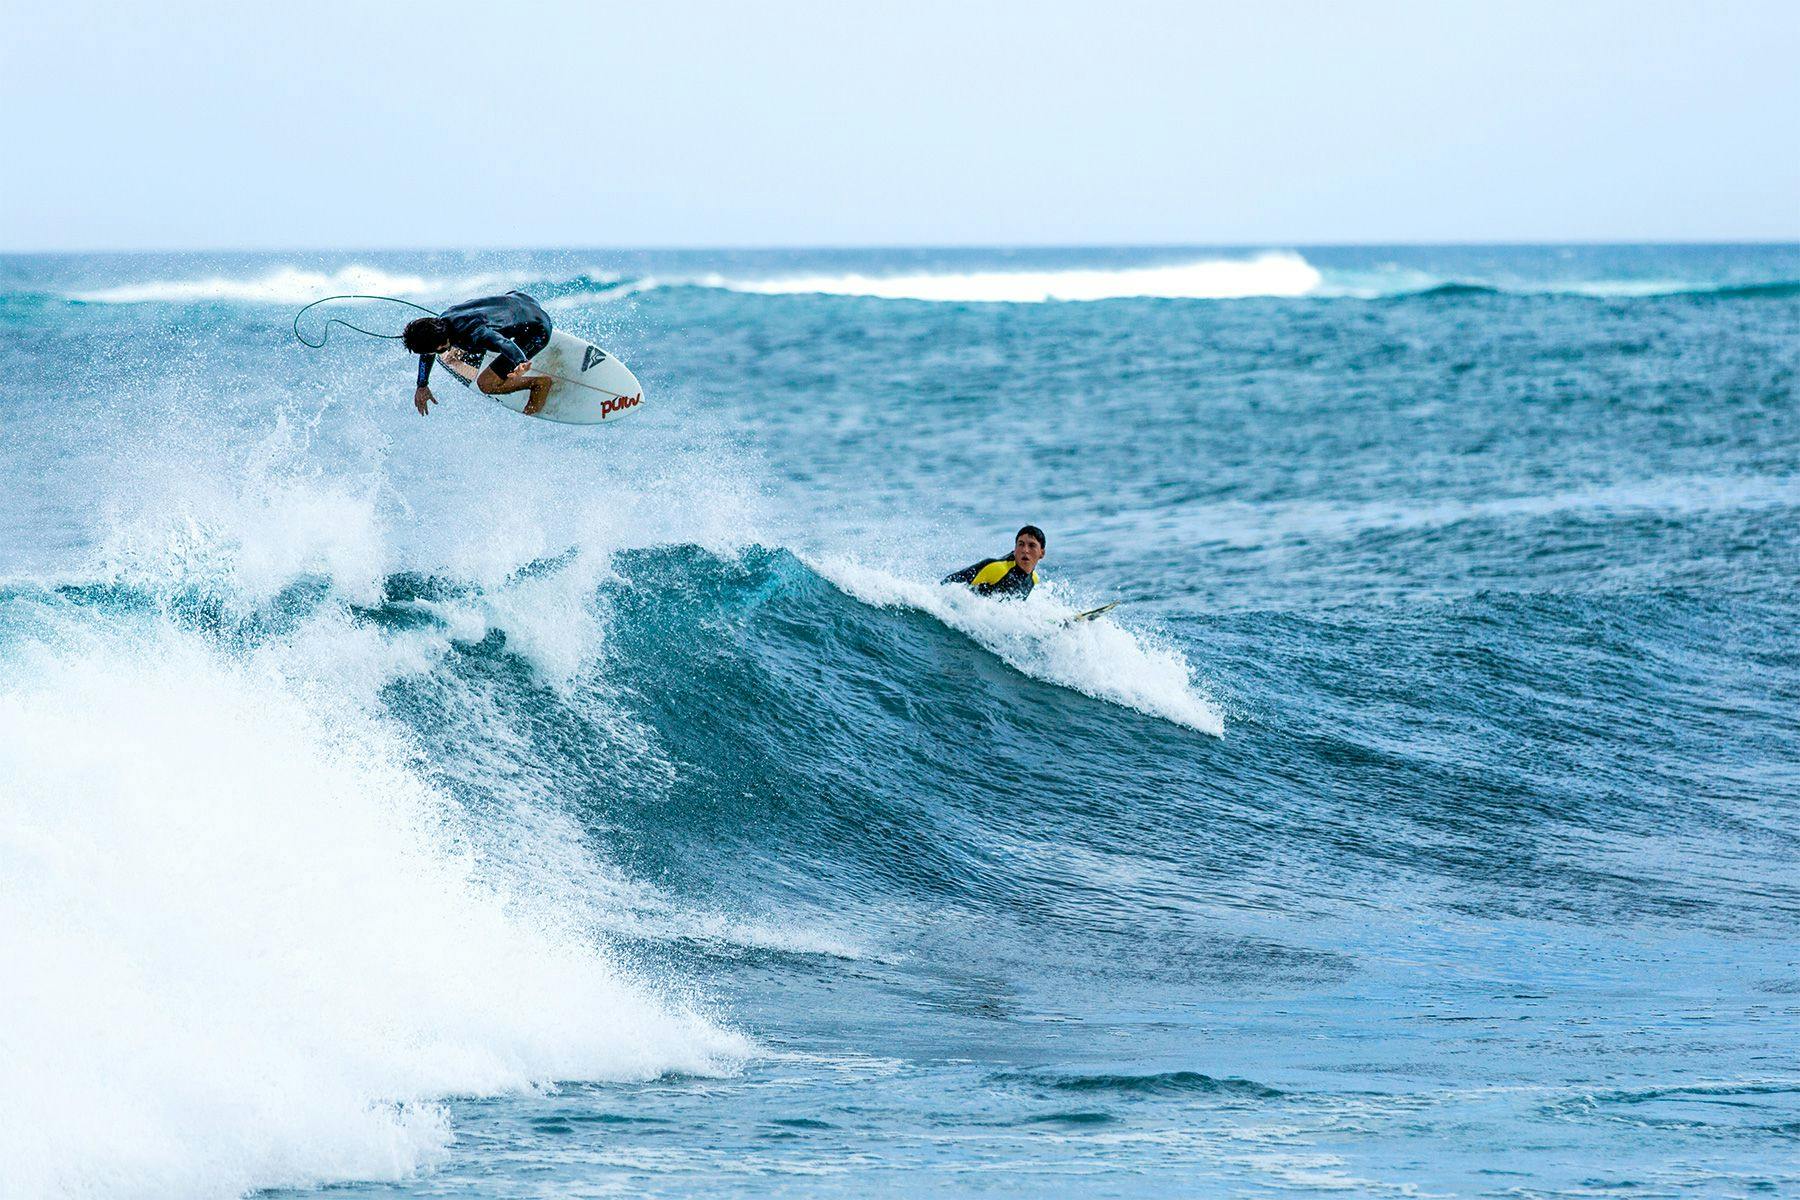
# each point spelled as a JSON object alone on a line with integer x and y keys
{"x": 330, "y": 321}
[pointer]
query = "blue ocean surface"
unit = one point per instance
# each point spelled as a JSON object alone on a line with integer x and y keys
{"x": 479, "y": 807}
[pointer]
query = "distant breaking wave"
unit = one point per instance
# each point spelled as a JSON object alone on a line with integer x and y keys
{"x": 1273, "y": 274}
{"x": 285, "y": 285}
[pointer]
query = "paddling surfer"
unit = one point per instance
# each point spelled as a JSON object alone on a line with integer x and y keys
{"x": 1009, "y": 578}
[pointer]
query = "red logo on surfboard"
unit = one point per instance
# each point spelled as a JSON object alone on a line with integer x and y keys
{"x": 609, "y": 407}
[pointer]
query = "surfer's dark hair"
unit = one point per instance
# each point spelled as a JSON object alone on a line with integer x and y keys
{"x": 1035, "y": 532}
{"x": 426, "y": 334}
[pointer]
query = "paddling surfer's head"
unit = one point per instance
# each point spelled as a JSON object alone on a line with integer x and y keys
{"x": 1028, "y": 548}
{"x": 427, "y": 335}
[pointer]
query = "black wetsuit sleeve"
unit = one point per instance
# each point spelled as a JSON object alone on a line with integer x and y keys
{"x": 491, "y": 339}
{"x": 425, "y": 361}
{"x": 968, "y": 573}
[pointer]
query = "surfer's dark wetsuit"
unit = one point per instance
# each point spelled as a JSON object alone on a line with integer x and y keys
{"x": 514, "y": 326}
{"x": 998, "y": 577}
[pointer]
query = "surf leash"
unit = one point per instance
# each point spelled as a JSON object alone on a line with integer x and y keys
{"x": 330, "y": 321}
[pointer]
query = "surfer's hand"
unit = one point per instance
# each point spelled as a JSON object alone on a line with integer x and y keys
{"x": 519, "y": 370}
{"x": 422, "y": 399}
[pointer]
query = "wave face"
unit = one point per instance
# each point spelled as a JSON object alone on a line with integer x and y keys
{"x": 474, "y": 806}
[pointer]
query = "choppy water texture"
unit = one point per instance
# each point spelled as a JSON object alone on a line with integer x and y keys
{"x": 477, "y": 807}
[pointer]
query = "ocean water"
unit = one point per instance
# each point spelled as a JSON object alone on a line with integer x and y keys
{"x": 478, "y": 807}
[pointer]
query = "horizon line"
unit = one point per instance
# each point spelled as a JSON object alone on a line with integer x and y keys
{"x": 647, "y": 248}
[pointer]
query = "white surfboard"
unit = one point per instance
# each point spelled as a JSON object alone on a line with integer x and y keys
{"x": 1090, "y": 614}
{"x": 592, "y": 387}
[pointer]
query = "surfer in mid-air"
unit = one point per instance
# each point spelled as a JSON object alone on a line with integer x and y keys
{"x": 1009, "y": 578}
{"x": 514, "y": 327}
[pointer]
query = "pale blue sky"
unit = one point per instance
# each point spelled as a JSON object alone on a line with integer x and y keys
{"x": 450, "y": 124}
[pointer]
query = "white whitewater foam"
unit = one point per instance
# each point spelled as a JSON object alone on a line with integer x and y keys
{"x": 1272, "y": 274}
{"x": 289, "y": 285}
{"x": 258, "y": 945}
{"x": 1098, "y": 658}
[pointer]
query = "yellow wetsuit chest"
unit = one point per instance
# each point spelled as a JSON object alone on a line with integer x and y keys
{"x": 994, "y": 572}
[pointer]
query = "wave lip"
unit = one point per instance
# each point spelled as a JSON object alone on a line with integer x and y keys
{"x": 1276, "y": 274}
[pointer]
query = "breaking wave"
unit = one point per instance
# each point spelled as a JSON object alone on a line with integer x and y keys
{"x": 1274, "y": 274}
{"x": 286, "y": 865}
{"x": 284, "y": 285}
{"x": 1098, "y": 658}
{"x": 262, "y": 939}
{"x": 1269, "y": 275}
